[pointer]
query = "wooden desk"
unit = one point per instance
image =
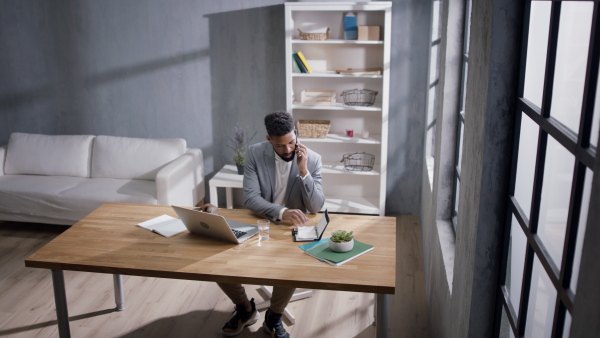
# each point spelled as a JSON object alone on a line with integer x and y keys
{"x": 107, "y": 241}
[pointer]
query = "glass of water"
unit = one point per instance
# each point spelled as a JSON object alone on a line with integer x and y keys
{"x": 263, "y": 229}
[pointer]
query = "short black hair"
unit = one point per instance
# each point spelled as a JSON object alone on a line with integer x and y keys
{"x": 279, "y": 123}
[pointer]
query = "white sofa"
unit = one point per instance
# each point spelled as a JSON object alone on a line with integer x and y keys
{"x": 62, "y": 178}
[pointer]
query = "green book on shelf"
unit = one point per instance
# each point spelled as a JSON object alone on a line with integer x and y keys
{"x": 299, "y": 63}
{"x": 324, "y": 253}
{"x": 295, "y": 67}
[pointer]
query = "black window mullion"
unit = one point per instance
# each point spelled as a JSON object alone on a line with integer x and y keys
{"x": 558, "y": 325}
{"x": 591, "y": 81}
{"x": 565, "y": 136}
{"x": 503, "y": 295}
{"x": 551, "y": 59}
{"x": 531, "y": 228}
{"x": 571, "y": 230}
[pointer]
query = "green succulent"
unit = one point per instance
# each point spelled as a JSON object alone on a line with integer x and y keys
{"x": 341, "y": 236}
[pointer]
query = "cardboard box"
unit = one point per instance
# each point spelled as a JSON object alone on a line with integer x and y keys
{"x": 369, "y": 33}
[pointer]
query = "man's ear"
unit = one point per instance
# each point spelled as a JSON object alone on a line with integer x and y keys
{"x": 268, "y": 138}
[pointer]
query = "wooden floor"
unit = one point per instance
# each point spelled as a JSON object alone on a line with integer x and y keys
{"x": 175, "y": 308}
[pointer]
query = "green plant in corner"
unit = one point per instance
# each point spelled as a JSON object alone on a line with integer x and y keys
{"x": 239, "y": 143}
{"x": 341, "y": 236}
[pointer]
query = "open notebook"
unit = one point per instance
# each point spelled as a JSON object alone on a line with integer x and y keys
{"x": 311, "y": 233}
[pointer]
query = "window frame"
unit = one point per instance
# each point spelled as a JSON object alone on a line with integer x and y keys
{"x": 584, "y": 155}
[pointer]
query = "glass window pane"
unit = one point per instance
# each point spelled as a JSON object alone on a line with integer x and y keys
{"x": 516, "y": 263}
{"x": 556, "y": 193}
{"x": 431, "y": 104}
{"x": 456, "y": 195}
{"x": 505, "y": 329}
{"x": 429, "y": 142}
{"x": 571, "y": 62}
{"x": 537, "y": 45}
{"x": 596, "y": 119}
{"x": 585, "y": 203}
{"x": 436, "y": 20}
{"x": 528, "y": 143}
{"x": 461, "y": 132}
{"x": 467, "y": 27}
{"x": 567, "y": 328}
{"x": 463, "y": 99}
{"x": 433, "y": 65}
{"x": 542, "y": 299}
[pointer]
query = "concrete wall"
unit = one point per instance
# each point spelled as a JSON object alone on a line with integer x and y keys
{"x": 466, "y": 307}
{"x": 183, "y": 68}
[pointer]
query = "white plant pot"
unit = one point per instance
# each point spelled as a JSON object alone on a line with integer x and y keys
{"x": 341, "y": 247}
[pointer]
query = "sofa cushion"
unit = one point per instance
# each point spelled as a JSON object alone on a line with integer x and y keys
{"x": 68, "y": 198}
{"x": 133, "y": 158}
{"x": 37, "y": 195}
{"x": 51, "y": 155}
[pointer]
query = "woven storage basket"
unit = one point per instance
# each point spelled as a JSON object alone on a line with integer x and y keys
{"x": 313, "y": 128}
{"x": 314, "y": 36}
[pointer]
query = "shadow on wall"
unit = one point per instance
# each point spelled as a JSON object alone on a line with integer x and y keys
{"x": 247, "y": 55}
{"x": 55, "y": 79}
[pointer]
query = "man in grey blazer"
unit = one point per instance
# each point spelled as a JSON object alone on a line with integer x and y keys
{"x": 282, "y": 181}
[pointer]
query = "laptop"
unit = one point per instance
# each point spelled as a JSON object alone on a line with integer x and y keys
{"x": 311, "y": 233}
{"x": 215, "y": 226}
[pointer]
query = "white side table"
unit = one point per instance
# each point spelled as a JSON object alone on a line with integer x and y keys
{"x": 226, "y": 178}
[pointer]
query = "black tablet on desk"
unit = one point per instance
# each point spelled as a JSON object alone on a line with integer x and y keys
{"x": 311, "y": 233}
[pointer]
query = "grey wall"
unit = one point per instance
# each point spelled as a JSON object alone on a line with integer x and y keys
{"x": 183, "y": 68}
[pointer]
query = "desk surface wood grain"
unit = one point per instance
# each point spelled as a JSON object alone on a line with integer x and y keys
{"x": 108, "y": 241}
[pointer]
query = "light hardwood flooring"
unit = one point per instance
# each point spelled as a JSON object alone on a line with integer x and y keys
{"x": 177, "y": 308}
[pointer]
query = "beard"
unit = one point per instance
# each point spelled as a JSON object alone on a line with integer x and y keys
{"x": 287, "y": 159}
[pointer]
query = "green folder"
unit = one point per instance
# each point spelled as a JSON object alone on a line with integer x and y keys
{"x": 323, "y": 252}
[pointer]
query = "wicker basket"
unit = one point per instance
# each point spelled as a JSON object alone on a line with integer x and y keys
{"x": 314, "y": 36}
{"x": 358, "y": 161}
{"x": 359, "y": 97}
{"x": 313, "y": 128}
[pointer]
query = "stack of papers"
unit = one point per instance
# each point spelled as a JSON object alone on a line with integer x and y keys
{"x": 164, "y": 225}
{"x": 320, "y": 250}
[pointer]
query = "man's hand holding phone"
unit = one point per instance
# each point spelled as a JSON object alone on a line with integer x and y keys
{"x": 302, "y": 158}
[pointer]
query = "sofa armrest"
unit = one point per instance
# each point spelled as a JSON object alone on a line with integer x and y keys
{"x": 2, "y": 158}
{"x": 181, "y": 182}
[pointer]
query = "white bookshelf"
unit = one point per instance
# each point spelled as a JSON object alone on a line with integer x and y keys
{"x": 361, "y": 192}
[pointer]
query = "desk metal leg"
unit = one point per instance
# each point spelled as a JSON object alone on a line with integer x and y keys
{"x": 381, "y": 315}
{"x": 214, "y": 197}
{"x": 119, "y": 298}
{"x": 60, "y": 299}
{"x": 229, "y": 198}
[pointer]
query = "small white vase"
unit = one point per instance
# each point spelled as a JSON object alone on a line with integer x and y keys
{"x": 341, "y": 247}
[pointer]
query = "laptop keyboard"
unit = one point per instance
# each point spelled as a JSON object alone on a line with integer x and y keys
{"x": 238, "y": 233}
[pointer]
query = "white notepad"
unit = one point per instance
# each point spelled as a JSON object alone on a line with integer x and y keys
{"x": 164, "y": 225}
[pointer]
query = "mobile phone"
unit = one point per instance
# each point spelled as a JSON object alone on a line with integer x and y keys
{"x": 296, "y": 132}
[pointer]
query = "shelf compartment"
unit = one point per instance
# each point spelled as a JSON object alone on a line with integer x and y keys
{"x": 337, "y": 106}
{"x": 339, "y": 138}
{"x": 338, "y": 169}
{"x": 333, "y": 74}
{"x": 352, "y": 204}
{"x": 338, "y": 42}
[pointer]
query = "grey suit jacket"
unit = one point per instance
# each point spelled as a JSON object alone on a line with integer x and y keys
{"x": 259, "y": 183}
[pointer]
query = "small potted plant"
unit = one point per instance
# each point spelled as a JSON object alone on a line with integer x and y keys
{"x": 341, "y": 241}
{"x": 239, "y": 144}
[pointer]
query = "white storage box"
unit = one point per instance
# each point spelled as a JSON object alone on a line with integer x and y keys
{"x": 318, "y": 97}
